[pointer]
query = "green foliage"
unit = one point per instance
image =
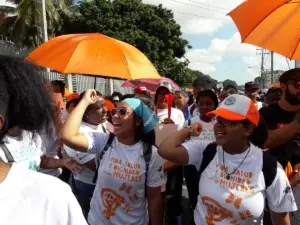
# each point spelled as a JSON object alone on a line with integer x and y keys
{"x": 152, "y": 29}
{"x": 229, "y": 82}
{"x": 23, "y": 23}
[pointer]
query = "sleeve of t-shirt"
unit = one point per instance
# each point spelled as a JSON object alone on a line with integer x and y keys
{"x": 195, "y": 150}
{"x": 279, "y": 195}
{"x": 181, "y": 120}
{"x": 71, "y": 211}
{"x": 155, "y": 173}
{"x": 96, "y": 141}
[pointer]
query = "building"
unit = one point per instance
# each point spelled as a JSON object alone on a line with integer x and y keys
{"x": 267, "y": 77}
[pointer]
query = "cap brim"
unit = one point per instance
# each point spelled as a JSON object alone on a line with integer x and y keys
{"x": 226, "y": 114}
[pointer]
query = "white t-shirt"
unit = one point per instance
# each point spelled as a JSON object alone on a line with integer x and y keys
{"x": 87, "y": 174}
{"x": 25, "y": 149}
{"x": 195, "y": 112}
{"x": 241, "y": 199}
{"x": 119, "y": 196}
{"x": 28, "y": 197}
{"x": 176, "y": 115}
{"x": 50, "y": 146}
{"x": 207, "y": 133}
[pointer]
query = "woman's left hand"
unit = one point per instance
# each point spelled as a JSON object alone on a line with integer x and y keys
{"x": 73, "y": 165}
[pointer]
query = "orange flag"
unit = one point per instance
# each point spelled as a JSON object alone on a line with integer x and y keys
{"x": 289, "y": 170}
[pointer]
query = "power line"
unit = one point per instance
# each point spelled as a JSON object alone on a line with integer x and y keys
{"x": 214, "y": 6}
{"x": 194, "y": 15}
{"x": 183, "y": 3}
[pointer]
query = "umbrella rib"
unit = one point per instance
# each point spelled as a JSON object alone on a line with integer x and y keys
{"x": 262, "y": 21}
{"x": 296, "y": 47}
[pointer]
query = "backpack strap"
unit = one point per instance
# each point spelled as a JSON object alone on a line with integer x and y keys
{"x": 269, "y": 168}
{"x": 10, "y": 159}
{"x": 208, "y": 155}
{"x": 147, "y": 154}
{"x": 106, "y": 147}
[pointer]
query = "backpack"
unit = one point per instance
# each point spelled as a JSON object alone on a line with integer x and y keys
{"x": 10, "y": 159}
{"x": 147, "y": 153}
{"x": 269, "y": 168}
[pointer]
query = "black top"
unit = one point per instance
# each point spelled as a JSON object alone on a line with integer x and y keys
{"x": 275, "y": 117}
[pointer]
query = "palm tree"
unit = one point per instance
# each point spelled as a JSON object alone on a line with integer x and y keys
{"x": 23, "y": 23}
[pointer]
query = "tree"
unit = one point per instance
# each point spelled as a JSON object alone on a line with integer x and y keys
{"x": 229, "y": 82}
{"x": 152, "y": 29}
{"x": 23, "y": 23}
{"x": 206, "y": 81}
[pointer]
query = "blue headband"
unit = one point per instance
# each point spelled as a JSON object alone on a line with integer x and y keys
{"x": 149, "y": 118}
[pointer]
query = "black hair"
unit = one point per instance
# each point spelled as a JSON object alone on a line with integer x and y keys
{"x": 197, "y": 82}
{"x": 24, "y": 99}
{"x": 71, "y": 102}
{"x": 60, "y": 84}
{"x": 260, "y": 133}
{"x": 290, "y": 75}
{"x": 191, "y": 98}
{"x": 147, "y": 138}
{"x": 229, "y": 86}
{"x": 126, "y": 96}
{"x": 116, "y": 94}
{"x": 157, "y": 91}
{"x": 210, "y": 94}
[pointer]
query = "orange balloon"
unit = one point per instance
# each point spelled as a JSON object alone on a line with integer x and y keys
{"x": 270, "y": 24}
{"x": 93, "y": 54}
{"x": 109, "y": 105}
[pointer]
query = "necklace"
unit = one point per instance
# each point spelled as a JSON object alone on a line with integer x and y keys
{"x": 226, "y": 170}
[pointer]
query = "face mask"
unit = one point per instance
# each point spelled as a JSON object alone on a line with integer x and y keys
{"x": 291, "y": 99}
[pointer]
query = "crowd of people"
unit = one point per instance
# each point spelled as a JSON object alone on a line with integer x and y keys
{"x": 93, "y": 159}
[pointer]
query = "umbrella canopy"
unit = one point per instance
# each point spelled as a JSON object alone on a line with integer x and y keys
{"x": 93, "y": 54}
{"x": 150, "y": 84}
{"x": 270, "y": 24}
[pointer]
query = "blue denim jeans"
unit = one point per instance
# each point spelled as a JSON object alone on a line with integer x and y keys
{"x": 83, "y": 192}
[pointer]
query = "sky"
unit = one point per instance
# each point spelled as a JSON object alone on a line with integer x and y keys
{"x": 216, "y": 44}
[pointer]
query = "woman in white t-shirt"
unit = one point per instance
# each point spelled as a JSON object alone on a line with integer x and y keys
{"x": 206, "y": 101}
{"x": 94, "y": 120}
{"x": 130, "y": 170}
{"x": 28, "y": 197}
{"x": 232, "y": 187}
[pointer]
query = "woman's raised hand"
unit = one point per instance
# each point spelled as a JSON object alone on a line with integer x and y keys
{"x": 90, "y": 96}
{"x": 196, "y": 129}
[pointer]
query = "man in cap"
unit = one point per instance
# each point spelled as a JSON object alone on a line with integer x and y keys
{"x": 251, "y": 91}
{"x": 283, "y": 121}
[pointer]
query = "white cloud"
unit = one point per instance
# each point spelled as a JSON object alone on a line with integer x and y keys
{"x": 205, "y": 60}
{"x": 199, "y": 17}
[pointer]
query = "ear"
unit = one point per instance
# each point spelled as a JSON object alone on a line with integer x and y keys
{"x": 283, "y": 87}
{"x": 250, "y": 129}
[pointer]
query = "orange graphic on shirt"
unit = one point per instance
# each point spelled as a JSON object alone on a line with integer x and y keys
{"x": 111, "y": 201}
{"x": 232, "y": 199}
{"x": 215, "y": 212}
{"x": 245, "y": 215}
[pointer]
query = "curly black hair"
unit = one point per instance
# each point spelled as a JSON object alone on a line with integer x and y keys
{"x": 24, "y": 99}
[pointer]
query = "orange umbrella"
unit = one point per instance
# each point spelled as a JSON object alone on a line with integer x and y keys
{"x": 93, "y": 54}
{"x": 270, "y": 24}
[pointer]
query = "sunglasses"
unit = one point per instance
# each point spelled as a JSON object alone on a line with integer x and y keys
{"x": 121, "y": 111}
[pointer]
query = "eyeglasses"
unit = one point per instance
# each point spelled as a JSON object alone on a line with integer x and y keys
{"x": 121, "y": 111}
{"x": 225, "y": 122}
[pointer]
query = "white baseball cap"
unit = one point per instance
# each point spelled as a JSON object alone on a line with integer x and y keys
{"x": 237, "y": 107}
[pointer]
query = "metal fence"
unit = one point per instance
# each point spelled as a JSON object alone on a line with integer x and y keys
{"x": 81, "y": 83}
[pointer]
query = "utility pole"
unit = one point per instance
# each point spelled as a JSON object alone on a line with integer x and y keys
{"x": 297, "y": 63}
{"x": 44, "y": 21}
{"x": 272, "y": 67}
{"x": 262, "y": 52}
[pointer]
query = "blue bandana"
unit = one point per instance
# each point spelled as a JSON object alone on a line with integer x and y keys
{"x": 149, "y": 118}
